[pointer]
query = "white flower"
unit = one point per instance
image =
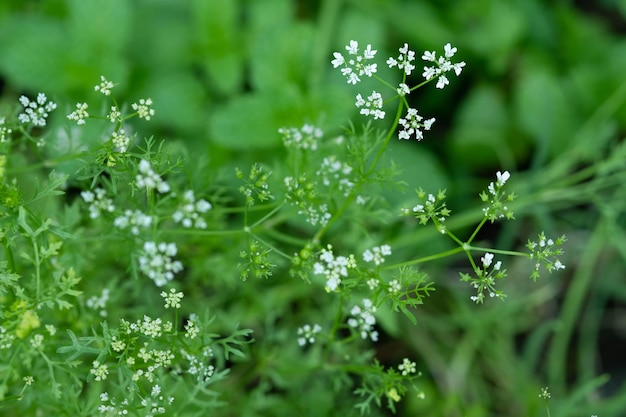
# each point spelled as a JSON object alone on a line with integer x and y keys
{"x": 104, "y": 87}
{"x": 156, "y": 262}
{"x": 97, "y": 202}
{"x": 502, "y": 177}
{"x": 487, "y": 259}
{"x": 80, "y": 114}
{"x": 188, "y": 213}
{"x": 120, "y": 140}
{"x": 149, "y": 179}
{"x": 363, "y": 320}
{"x": 443, "y": 65}
{"x": 143, "y": 108}
{"x": 372, "y": 106}
{"x": 404, "y": 60}
{"x": 36, "y": 112}
{"x": 412, "y": 124}
{"x": 307, "y": 334}
{"x": 403, "y": 89}
{"x": 356, "y": 65}
{"x": 333, "y": 268}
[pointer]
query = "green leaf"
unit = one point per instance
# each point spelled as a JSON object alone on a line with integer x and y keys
{"x": 252, "y": 121}
{"x": 218, "y": 35}
{"x": 479, "y": 137}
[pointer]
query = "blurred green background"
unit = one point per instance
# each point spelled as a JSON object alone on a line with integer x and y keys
{"x": 542, "y": 96}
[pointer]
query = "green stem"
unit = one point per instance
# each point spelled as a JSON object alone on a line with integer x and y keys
{"x": 350, "y": 199}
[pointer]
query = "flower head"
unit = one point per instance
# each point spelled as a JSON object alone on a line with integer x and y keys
{"x": 36, "y": 111}
{"x": 442, "y": 65}
{"x": 355, "y": 66}
{"x": 412, "y": 125}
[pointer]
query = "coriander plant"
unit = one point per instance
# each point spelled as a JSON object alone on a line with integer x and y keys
{"x": 131, "y": 285}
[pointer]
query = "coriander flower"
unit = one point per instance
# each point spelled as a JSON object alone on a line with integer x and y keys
{"x": 120, "y": 140}
{"x": 104, "y": 87}
{"x": 412, "y": 125}
{"x": 80, "y": 114}
{"x": 404, "y": 60}
{"x": 36, "y": 112}
{"x": 143, "y": 109}
{"x": 334, "y": 268}
{"x": 443, "y": 65}
{"x": 377, "y": 254}
{"x": 172, "y": 298}
{"x": 149, "y": 179}
{"x": 403, "y": 89}
{"x": 115, "y": 115}
{"x": 188, "y": 214}
{"x": 304, "y": 138}
{"x": 372, "y": 106}
{"x": 407, "y": 367}
{"x": 98, "y": 202}
{"x": 156, "y": 262}
{"x": 363, "y": 320}
{"x": 356, "y": 65}
{"x": 133, "y": 220}
{"x": 307, "y": 333}
{"x": 335, "y": 172}
{"x": 5, "y": 132}
{"x": 99, "y": 302}
{"x": 99, "y": 371}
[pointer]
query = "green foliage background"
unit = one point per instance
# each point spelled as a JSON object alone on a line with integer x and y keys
{"x": 542, "y": 96}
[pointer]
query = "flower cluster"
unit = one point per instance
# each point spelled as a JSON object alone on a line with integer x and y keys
{"x": 412, "y": 124}
{"x": 36, "y": 112}
{"x": 198, "y": 366}
{"x": 143, "y": 109}
{"x": 172, "y": 298}
{"x": 334, "y": 268}
{"x": 407, "y": 367}
{"x": 6, "y": 339}
{"x": 189, "y": 213}
{"x": 301, "y": 193}
{"x": 109, "y": 406}
{"x": 134, "y": 220}
{"x": 5, "y": 131}
{"x": 377, "y": 254}
{"x": 443, "y": 65}
{"x": 191, "y": 327}
{"x": 255, "y": 261}
{"x": 255, "y": 185}
{"x": 485, "y": 280}
{"x": 104, "y": 87}
{"x": 432, "y": 208}
{"x": 497, "y": 198}
{"x": 114, "y": 115}
{"x": 306, "y": 333}
{"x": 546, "y": 251}
{"x": 372, "y": 106}
{"x": 100, "y": 371}
{"x": 99, "y": 302}
{"x": 363, "y": 320}
{"x": 404, "y": 60}
{"x": 156, "y": 402}
{"x": 148, "y": 327}
{"x": 306, "y": 137}
{"x": 120, "y": 140}
{"x": 356, "y": 65}
{"x": 335, "y": 172}
{"x": 156, "y": 262}
{"x": 80, "y": 114}
{"x": 98, "y": 202}
{"x": 149, "y": 179}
